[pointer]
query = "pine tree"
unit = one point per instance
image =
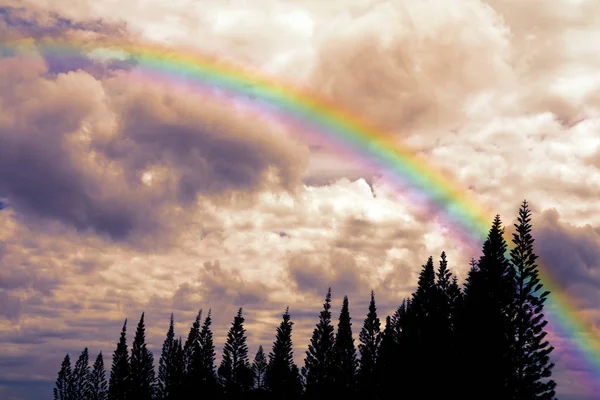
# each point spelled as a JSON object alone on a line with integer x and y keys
{"x": 533, "y": 369}
{"x": 471, "y": 277}
{"x": 319, "y": 369}
{"x": 442, "y": 303}
{"x": 235, "y": 371}
{"x": 203, "y": 363}
{"x": 345, "y": 354}
{"x": 398, "y": 321}
{"x": 370, "y": 338}
{"x": 64, "y": 382}
{"x": 405, "y": 335}
{"x": 420, "y": 329}
{"x": 143, "y": 381}
{"x": 190, "y": 343}
{"x": 118, "y": 387}
{"x": 424, "y": 297}
{"x": 167, "y": 374}
{"x": 259, "y": 368}
{"x": 177, "y": 368}
{"x": 281, "y": 380}
{"x": 490, "y": 293}
{"x": 81, "y": 376}
{"x": 387, "y": 362}
{"x": 98, "y": 384}
{"x": 442, "y": 337}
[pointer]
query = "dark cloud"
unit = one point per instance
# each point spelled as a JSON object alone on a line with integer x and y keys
{"x": 573, "y": 254}
{"x": 48, "y": 171}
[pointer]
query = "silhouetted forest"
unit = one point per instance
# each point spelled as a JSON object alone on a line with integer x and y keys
{"x": 484, "y": 340}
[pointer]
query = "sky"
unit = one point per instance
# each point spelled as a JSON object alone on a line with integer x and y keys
{"x": 118, "y": 198}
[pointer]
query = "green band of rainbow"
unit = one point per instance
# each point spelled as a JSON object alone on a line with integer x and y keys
{"x": 347, "y": 131}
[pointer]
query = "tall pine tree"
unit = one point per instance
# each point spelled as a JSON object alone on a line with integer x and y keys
{"x": 282, "y": 381}
{"x": 177, "y": 364}
{"x": 81, "y": 375}
{"x": 490, "y": 293}
{"x": 143, "y": 380}
{"x": 190, "y": 343}
{"x": 120, "y": 377}
{"x": 370, "y": 338}
{"x": 445, "y": 353}
{"x": 64, "y": 382}
{"x": 168, "y": 378}
{"x": 203, "y": 363}
{"x": 319, "y": 367}
{"x": 259, "y": 368}
{"x": 533, "y": 369}
{"x": 388, "y": 362}
{"x": 345, "y": 362}
{"x": 235, "y": 371}
{"x": 98, "y": 384}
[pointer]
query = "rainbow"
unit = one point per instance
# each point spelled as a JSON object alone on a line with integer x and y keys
{"x": 347, "y": 133}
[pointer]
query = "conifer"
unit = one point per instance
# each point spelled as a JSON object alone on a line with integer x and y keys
{"x": 490, "y": 294}
{"x": 64, "y": 382}
{"x": 370, "y": 338}
{"x": 167, "y": 385}
{"x": 281, "y": 380}
{"x": 235, "y": 371}
{"x": 190, "y": 343}
{"x": 119, "y": 383}
{"x": 143, "y": 380}
{"x": 259, "y": 368}
{"x": 532, "y": 367}
{"x": 318, "y": 370}
{"x": 345, "y": 354}
{"x": 81, "y": 376}
{"x": 98, "y": 384}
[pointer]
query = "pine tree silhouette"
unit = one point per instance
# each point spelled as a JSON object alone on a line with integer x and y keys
{"x": 388, "y": 360}
{"x": 259, "y": 368}
{"x": 532, "y": 369}
{"x": 370, "y": 338}
{"x": 119, "y": 383}
{"x": 64, "y": 382}
{"x": 345, "y": 362}
{"x": 398, "y": 321}
{"x": 190, "y": 345}
{"x": 98, "y": 384}
{"x": 281, "y": 380}
{"x": 143, "y": 380}
{"x": 177, "y": 367}
{"x": 420, "y": 330}
{"x": 319, "y": 368}
{"x": 81, "y": 376}
{"x": 235, "y": 372}
{"x": 203, "y": 363}
{"x": 489, "y": 297}
{"x": 424, "y": 297}
{"x": 442, "y": 307}
{"x": 167, "y": 372}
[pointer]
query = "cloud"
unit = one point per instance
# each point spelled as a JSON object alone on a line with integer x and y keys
{"x": 120, "y": 160}
{"x": 417, "y": 71}
{"x": 572, "y": 253}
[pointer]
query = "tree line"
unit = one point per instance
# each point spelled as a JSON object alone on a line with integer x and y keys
{"x": 486, "y": 339}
